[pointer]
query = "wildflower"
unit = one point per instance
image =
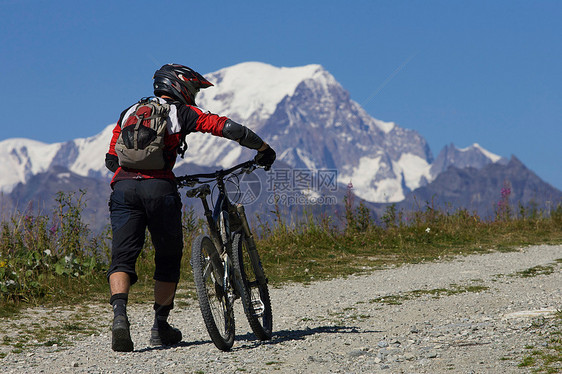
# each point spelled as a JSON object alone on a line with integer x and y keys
{"x": 427, "y": 230}
{"x": 505, "y": 191}
{"x": 47, "y": 252}
{"x": 2, "y": 264}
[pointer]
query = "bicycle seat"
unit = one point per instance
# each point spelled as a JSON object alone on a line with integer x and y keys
{"x": 201, "y": 191}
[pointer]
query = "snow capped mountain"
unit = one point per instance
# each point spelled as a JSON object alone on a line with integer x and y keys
{"x": 249, "y": 92}
{"x": 309, "y": 118}
{"x": 478, "y": 189}
{"x": 303, "y": 112}
{"x": 20, "y": 159}
{"x": 474, "y": 156}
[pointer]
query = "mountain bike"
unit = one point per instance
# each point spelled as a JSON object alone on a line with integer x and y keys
{"x": 226, "y": 264}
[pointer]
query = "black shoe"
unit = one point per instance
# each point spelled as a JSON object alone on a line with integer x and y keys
{"x": 121, "y": 335}
{"x": 164, "y": 334}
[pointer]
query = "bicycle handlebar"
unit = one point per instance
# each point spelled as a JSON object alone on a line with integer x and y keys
{"x": 192, "y": 179}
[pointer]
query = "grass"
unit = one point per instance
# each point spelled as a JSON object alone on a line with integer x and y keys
{"x": 547, "y": 359}
{"x": 435, "y": 293}
{"x": 536, "y": 271}
{"x": 318, "y": 248}
{"x": 54, "y": 260}
{"x": 56, "y": 329}
{"x": 48, "y": 260}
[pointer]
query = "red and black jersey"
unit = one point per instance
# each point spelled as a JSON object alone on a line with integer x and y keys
{"x": 183, "y": 119}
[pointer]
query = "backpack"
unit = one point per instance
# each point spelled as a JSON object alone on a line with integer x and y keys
{"x": 140, "y": 144}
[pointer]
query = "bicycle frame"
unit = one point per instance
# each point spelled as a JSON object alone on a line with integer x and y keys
{"x": 220, "y": 234}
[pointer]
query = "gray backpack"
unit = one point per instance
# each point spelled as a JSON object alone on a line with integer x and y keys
{"x": 141, "y": 142}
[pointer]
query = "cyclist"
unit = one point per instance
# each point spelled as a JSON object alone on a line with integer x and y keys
{"x": 149, "y": 198}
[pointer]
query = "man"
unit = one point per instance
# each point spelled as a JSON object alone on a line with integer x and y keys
{"x": 148, "y": 197}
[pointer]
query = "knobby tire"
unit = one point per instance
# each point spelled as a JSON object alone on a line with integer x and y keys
{"x": 216, "y": 309}
{"x": 255, "y": 296}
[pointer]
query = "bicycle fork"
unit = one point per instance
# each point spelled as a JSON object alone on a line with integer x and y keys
{"x": 252, "y": 249}
{"x": 215, "y": 256}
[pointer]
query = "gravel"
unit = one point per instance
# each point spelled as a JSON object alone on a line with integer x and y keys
{"x": 470, "y": 314}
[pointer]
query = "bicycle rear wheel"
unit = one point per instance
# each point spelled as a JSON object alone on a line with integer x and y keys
{"x": 255, "y": 293}
{"x": 214, "y": 302}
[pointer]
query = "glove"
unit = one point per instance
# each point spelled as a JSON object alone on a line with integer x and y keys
{"x": 111, "y": 162}
{"x": 265, "y": 158}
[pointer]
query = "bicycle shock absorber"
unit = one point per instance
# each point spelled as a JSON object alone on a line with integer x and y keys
{"x": 224, "y": 226}
{"x": 246, "y": 227}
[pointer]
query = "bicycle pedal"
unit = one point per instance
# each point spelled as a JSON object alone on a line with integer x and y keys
{"x": 258, "y": 307}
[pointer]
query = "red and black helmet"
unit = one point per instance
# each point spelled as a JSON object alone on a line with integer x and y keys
{"x": 179, "y": 82}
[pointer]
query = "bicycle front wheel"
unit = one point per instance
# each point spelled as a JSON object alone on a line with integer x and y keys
{"x": 214, "y": 301}
{"x": 254, "y": 293}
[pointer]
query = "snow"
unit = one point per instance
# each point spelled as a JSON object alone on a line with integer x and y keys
{"x": 208, "y": 150}
{"x": 311, "y": 195}
{"x": 410, "y": 166}
{"x": 231, "y": 157}
{"x": 389, "y": 191}
{"x": 492, "y": 156}
{"x": 63, "y": 175}
{"x": 386, "y": 127}
{"x": 92, "y": 152}
{"x": 362, "y": 177}
{"x": 29, "y": 150}
{"x": 413, "y": 168}
{"x": 250, "y": 91}
{"x": 21, "y": 158}
{"x": 305, "y": 158}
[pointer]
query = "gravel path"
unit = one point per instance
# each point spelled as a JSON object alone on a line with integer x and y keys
{"x": 473, "y": 314}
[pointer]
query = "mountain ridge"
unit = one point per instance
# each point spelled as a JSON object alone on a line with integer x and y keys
{"x": 480, "y": 189}
{"x": 305, "y": 114}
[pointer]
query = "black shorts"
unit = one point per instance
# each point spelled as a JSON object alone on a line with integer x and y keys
{"x": 135, "y": 205}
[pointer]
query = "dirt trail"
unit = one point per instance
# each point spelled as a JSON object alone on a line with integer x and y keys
{"x": 473, "y": 314}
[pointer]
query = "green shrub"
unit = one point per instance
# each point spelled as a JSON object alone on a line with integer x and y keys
{"x": 37, "y": 250}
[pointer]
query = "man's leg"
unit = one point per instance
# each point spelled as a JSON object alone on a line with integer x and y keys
{"x": 119, "y": 284}
{"x": 128, "y": 223}
{"x": 162, "y": 333}
{"x": 165, "y": 227}
{"x": 164, "y": 292}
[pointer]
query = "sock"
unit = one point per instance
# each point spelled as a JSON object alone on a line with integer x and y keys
{"x": 119, "y": 304}
{"x": 161, "y": 313}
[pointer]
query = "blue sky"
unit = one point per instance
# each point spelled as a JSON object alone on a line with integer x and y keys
{"x": 462, "y": 72}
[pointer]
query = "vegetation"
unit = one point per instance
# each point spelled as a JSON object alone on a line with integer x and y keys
{"x": 336, "y": 246}
{"x": 54, "y": 259}
{"x": 50, "y": 258}
{"x": 548, "y": 357}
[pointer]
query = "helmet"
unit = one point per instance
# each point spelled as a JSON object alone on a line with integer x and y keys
{"x": 179, "y": 82}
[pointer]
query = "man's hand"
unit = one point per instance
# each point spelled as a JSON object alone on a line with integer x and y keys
{"x": 265, "y": 157}
{"x": 111, "y": 162}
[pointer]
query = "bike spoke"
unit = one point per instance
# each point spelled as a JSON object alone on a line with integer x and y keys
{"x": 208, "y": 271}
